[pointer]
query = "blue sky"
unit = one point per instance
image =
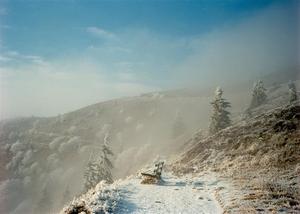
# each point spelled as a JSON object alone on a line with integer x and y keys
{"x": 124, "y": 48}
{"x": 50, "y": 27}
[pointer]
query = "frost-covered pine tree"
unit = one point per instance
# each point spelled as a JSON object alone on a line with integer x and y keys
{"x": 258, "y": 94}
{"x": 179, "y": 127}
{"x": 99, "y": 169}
{"x": 292, "y": 92}
{"x": 106, "y": 163}
{"x": 220, "y": 118}
{"x": 92, "y": 175}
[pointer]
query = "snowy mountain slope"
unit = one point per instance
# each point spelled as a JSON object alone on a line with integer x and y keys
{"x": 259, "y": 157}
{"x": 250, "y": 167}
{"x": 42, "y": 151}
{"x": 173, "y": 195}
{"x": 52, "y": 152}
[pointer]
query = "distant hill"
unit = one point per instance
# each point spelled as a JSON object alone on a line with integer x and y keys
{"x": 43, "y": 150}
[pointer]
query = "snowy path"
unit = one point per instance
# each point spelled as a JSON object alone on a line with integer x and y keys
{"x": 176, "y": 195}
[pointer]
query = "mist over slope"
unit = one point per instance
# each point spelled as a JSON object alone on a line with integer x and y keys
{"x": 249, "y": 167}
{"x": 51, "y": 153}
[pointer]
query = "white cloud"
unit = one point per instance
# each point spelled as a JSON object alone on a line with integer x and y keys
{"x": 4, "y": 59}
{"x": 34, "y": 59}
{"x": 99, "y": 32}
{"x": 61, "y": 86}
{"x": 9, "y": 56}
{"x": 13, "y": 53}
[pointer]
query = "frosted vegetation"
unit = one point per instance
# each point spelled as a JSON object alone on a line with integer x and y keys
{"x": 220, "y": 118}
{"x": 101, "y": 199}
{"x": 258, "y": 95}
{"x": 55, "y": 159}
{"x": 175, "y": 195}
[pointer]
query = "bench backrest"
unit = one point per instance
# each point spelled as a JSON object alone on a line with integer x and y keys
{"x": 158, "y": 168}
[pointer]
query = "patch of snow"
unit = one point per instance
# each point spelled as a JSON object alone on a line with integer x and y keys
{"x": 174, "y": 195}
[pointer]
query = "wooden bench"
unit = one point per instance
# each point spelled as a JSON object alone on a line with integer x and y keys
{"x": 155, "y": 177}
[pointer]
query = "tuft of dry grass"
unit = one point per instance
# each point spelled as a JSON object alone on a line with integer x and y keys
{"x": 78, "y": 208}
{"x": 149, "y": 180}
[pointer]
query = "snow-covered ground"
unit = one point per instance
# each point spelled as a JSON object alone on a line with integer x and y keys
{"x": 174, "y": 195}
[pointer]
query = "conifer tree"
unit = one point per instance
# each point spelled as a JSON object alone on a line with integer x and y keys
{"x": 220, "y": 118}
{"x": 99, "y": 169}
{"x": 106, "y": 163}
{"x": 92, "y": 175}
{"x": 292, "y": 92}
{"x": 258, "y": 95}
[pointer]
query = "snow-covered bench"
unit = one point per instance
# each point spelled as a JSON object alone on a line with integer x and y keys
{"x": 155, "y": 176}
